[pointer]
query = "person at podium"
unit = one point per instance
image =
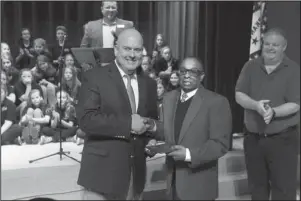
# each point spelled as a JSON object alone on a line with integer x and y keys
{"x": 100, "y": 33}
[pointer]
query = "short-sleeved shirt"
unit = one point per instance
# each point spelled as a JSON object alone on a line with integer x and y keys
{"x": 8, "y": 111}
{"x": 280, "y": 87}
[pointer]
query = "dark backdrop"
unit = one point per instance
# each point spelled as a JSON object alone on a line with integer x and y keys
{"x": 216, "y": 32}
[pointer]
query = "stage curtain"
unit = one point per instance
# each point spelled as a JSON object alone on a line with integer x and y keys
{"x": 179, "y": 23}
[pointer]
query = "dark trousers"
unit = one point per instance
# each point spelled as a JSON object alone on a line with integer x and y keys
{"x": 11, "y": 134}
{"x": 55, "y": 132}
{"x": 272, "y": 165}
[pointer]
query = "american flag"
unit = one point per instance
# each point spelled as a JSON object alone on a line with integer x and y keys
{"x": 259, "y": 26}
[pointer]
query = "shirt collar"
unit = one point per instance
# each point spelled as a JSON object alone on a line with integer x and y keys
{"x": 122, "y": 73}
{"x": 283, "y": 63}
{"x": 112, "y": 24}
{"x": 189, "y": 94}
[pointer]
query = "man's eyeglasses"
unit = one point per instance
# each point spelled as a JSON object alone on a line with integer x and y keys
{"x": 191, "y": 72}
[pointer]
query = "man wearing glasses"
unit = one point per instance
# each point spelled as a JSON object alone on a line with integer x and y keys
{"x": 197, "y": 124}
{"x": 102, "y": 32}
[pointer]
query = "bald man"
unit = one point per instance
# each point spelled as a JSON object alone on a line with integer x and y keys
{"x": 197, "y": 123}
{"x": 113, "y": 163}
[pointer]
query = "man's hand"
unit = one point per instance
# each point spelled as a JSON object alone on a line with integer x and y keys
{"x": 150, "y": 123}
{"x": 260, "y": 107}
{"x": 268, "y": 116}
{"x": 152, "y": 142}
{"x": 138, "y": 126}
{"x": 178, "y": 153}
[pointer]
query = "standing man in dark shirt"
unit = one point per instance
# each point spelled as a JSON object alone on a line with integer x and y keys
{"x": 268, "y": 88}
{"x": 9, "y": 130}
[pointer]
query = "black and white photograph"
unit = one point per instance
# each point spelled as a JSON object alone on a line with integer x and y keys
{"x": 150, "y": 100}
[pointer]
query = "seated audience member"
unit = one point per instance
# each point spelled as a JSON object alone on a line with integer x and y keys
{"x": 146, "y": 65}
{"x": 47, "y": 76}
{"x": 174, "y": 81}
{"x": 9, "y": 130}
{"x": 69, "y": 60}
{"x": 160, "y": 93}
{"x": 5, "y": 49}
{"x": 70, "y": 83}
{"x": 9, "y": 68}
{"x": 35, "y": 116}
{"x": 100, "y": 33}
{"x": 40, "y": 48}
{"x": 10, "y": 89}
{"x": 26, "y": 49}
{"x": 166, "y": 64}
{"x": 56, "y": 49}
{"x": 23, "y": 87}
{"x": 63, "y": 119}
{"x": 159, "y": 43}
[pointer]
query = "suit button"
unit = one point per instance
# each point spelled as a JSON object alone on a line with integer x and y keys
{"x": 132, "y": 156}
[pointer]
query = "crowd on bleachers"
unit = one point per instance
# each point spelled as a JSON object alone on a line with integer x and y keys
{"x": 40, "y": 87}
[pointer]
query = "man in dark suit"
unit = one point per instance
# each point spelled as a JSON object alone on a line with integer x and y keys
{"x": 197, "y": 123}
{"x": 100, "y": 33}
{"x": 113, "y": 163}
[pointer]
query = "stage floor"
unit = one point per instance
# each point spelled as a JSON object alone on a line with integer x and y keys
{"x": 52, "y": 177}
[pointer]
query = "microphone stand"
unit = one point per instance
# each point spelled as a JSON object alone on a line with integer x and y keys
{"x": 61, "y": 152}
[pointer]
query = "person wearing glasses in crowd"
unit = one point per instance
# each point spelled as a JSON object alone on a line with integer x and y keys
{"x": 100, "y": 33}
{"x": 197, "y": 125}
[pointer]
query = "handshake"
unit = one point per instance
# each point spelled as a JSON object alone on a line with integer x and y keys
{"x": 141, "y": 124}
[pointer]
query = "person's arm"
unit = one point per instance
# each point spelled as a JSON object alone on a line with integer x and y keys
{"x": 292, "y": 96}
{"x": 20, "y": 55}
{"x": 24, "y": 97}
{"x": 7, "y": 124}
{"x": 242, "y": 90}
{"x": 67, "y": 124}
{"x": 42, "y": 120}
{"x": 91, "y": 117}
{"x": 11, "y": 97}
{"x": 220, "y": 129}
{"x": 86, "y": 40}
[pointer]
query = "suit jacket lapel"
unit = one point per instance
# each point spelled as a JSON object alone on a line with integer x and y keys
{"x": 100, "y": 31}
{"x": 170, "y": 107}
{"x": 192, "y": 111}
{"x": 142, "y": 88}
{"x": 118, "y": 81}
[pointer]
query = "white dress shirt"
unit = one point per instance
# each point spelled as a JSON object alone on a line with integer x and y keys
{"x": 107, "y": 37}
{"x": 189, "y": 95}
{"x": 134, "y": 83}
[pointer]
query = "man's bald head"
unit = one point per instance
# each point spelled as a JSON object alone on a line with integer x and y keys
{"x": 128, "y": 50}
{"x": 129, "y": 34}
